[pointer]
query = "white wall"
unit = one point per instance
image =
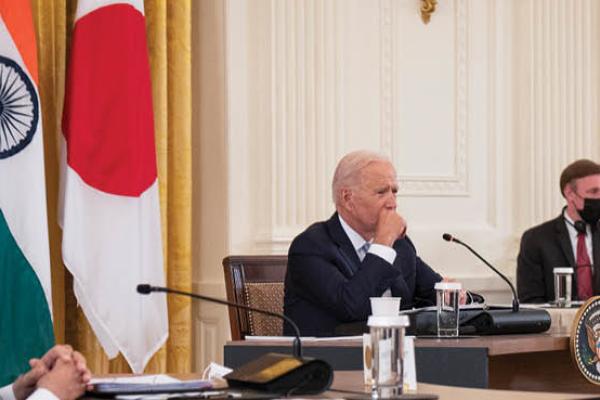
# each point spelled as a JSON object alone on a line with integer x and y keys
{"x": 479, "y": 111}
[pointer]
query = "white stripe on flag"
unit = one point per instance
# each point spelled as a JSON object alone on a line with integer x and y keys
{"x": 111, "y": 244}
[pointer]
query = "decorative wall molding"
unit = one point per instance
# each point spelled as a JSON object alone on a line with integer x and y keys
{"x": 387, "y": 22}
{"x": 211, "y": 325}
{"x": 561, "y": 119}
{"x": 306, "y": 115}
{"x": 455, "y": 184}
{"x": 209, "y": 341}
{"x": 306, "y": 109}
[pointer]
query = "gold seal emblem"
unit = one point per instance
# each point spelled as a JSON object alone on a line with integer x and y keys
{"x": 585, "y": 340}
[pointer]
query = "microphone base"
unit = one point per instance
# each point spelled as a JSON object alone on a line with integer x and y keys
{"x": 490, "y": 321}
{"x": 282, "y": 374}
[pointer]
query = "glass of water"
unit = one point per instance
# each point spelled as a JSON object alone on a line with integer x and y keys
{"x": 563, "y": 278}
{"x": 448, "y": 308}
{"x": 387, "y": 355}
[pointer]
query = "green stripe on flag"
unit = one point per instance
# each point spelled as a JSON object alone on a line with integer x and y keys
{"x": 25, "y": 322}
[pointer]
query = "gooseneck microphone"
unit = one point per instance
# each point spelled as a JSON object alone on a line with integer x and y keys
{"x": 515, "y": 302}
{"x": 271, "y": 372}
{"x": 145, "y": 288}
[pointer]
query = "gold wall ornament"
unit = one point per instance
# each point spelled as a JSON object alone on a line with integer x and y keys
{"x": 427, "y": 8}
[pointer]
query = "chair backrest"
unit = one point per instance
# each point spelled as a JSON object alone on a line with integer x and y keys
{"x": 255, "y": 281}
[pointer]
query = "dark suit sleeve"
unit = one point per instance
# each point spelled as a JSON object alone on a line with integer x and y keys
{"x": 426, "y": 279}
{"x": 316, "y": 273}
{"x": 530, "y": 273}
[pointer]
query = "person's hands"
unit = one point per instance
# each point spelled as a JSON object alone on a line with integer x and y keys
{"x": 63, "y": 351}
{"x": 66, "y": 352}
{"x": 25, "y": 384}
{"x": 462, "y": 295}
{"x": 81, "y": 366}
{"x": 64, "y": 380}
{"x": 390, "y": 227}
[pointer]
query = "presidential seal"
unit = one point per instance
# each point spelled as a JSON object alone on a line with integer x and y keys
{"x": 585, "y": 340}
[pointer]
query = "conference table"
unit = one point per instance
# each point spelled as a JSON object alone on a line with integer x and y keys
{"x": 535, "y": 362}
{"x": 347, "y": 383}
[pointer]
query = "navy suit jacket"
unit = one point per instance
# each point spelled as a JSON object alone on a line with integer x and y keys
{"x": 326, "y": 284}
{"x": 543, "y": 248}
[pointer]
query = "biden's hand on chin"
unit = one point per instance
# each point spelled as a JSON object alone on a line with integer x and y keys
{"x": 390, "y": 227}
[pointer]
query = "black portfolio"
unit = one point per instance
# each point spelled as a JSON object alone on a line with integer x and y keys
{"x": 491, "y": 320}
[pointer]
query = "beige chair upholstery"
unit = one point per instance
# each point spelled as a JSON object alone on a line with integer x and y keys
{"x": 255, "y": 281}
{"x": 265, "y": 296}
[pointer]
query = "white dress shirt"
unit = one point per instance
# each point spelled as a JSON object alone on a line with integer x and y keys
{"x": 380, "y": 250}
{"x": 573, "y": 237}
{"x": 6, "y": 393}
{"x": 358, "y": 242}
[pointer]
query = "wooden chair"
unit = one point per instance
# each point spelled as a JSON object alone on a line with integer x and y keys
{"x": 256, "y": 281}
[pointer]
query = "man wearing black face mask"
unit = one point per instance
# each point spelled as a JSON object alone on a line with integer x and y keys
{"x": 570, "y": 240}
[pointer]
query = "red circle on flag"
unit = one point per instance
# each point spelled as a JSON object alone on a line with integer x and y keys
{"x": 108, "y": 121}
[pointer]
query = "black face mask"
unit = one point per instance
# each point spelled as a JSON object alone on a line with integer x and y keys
{"x": 591, "y": 211}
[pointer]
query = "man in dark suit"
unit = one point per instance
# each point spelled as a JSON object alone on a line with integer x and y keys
{"x": 570, "y": 240}
{"x": 335, "y": 266}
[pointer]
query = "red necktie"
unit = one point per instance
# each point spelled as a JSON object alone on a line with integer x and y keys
{"x": 584, "y": 270}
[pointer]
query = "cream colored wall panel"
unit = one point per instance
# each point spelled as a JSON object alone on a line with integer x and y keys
{"x": 210, "y": 161}
{"x": 211, "y": 326}
{"x": 479, "y": 110}
{"x": 289, "y": 144}
{"x": 427, "y": 125}
{"x": 307, "y": 81}
{"x": 464, "y": 193}
{"x": 208, "y": 341}
{"x": 362, "y": 25}
{"x": 242, "y": 140}
{"x": 558, "y": 123}
{"x": 305, "y": 100}
{"x": 323, "y": 79}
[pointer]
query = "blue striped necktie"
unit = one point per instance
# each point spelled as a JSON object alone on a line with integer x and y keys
{"x": 363, "y": 250}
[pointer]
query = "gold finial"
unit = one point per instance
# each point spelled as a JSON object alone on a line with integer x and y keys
{"x": 427, "y": 8}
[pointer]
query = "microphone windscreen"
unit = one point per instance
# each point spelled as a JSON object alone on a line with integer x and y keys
{"x": 447, "y": 237}
{"x": 144, "y": 288}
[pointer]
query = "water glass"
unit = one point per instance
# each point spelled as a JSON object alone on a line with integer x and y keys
{"x": 387, "y": 355}
{"x": 563, "y": 277}
{"x": 448, "y": 308}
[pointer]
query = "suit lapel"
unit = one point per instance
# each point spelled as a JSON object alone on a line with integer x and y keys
{"x": 596, "y": 261}
{"x": 350, "y": 259}
{"x": 565, "y": 242}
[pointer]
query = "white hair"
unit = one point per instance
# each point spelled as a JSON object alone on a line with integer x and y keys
{"x": 347, "y": 172}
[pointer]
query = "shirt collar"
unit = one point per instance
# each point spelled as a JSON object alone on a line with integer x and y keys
{"x": 357, "y": 240}
{"x": 571, "y": 228}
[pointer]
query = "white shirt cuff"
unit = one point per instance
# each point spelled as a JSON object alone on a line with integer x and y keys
{"x": 385, "y": 252}
{"x": 43, "y": 394}
{"x": 6, "y": 393}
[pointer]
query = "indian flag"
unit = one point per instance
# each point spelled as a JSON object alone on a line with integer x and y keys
{"x": 25, "y": 294}
{"x": 111, "y": 216}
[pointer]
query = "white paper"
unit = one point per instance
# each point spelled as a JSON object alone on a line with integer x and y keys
{"x": 385, "y": 360}
{"x": 337, "y": 338}
{"x": 160, "y": 378}
{"x": 303, "y": 338}
{"x": 145, "y": 379}
{"x": 278, "y": 338}
{"x": 410, "y": 369}
{"x": 409, "y": 373}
